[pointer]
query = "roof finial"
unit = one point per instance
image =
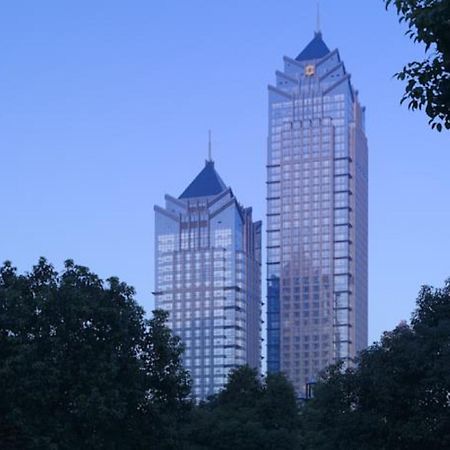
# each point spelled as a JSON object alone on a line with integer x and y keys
{"x": 209, "y": 146}
{"x": 318, "y": 30}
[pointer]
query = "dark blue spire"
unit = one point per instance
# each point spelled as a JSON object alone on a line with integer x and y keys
{"x": 205, "y": 184}
{"x": 316, "y": 49}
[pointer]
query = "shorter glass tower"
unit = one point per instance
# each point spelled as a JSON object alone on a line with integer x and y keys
{"x": 208, "y": 276}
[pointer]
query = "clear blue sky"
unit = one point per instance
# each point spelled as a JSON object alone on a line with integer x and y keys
{"x": 105, "y": 107}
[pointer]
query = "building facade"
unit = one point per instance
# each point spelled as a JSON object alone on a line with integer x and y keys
{"x": 208, "y": 276}
{"x": 317, "y": 217}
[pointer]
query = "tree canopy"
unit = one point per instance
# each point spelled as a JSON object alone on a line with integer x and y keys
{"x": 427, "y": 81}
{"x": 250, "y": 413}
{"x": 397, "y": 396}
{"x": 80, "y": 366}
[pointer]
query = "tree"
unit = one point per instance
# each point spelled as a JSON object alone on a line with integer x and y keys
{"x": 249, "y": 414}
{"x": 279, "y": 413}
{"x": 328, "y": 420}
{"x": 397, "y": 396}
{"x": 80, "y": 366}
{"x": 428, "y": 81}
{"x": 168, "y": 386}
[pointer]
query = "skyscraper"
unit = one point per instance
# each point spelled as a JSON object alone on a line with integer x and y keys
{"x": 316, "y": 216}
{"x": 208, "y": 276}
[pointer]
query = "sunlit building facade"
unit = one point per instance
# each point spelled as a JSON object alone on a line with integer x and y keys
{"x": 208, "y": 276}
{"x": 317, "y": 211}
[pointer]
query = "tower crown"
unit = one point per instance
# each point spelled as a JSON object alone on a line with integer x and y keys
{"x": 207, "y": 183}
{"x": 316, "y": 49}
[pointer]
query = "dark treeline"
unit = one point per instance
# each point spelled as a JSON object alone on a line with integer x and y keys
{"x": 82, "y": 368}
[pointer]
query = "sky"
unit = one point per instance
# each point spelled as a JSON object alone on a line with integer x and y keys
{"x": 105, "y": 107}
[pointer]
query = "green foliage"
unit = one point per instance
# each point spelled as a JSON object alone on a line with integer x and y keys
{"x": 167, "y": 385}
{"x": 398, "y": 396}
{"x": 80, "y": 366}
{"x": 428, "y": 81}
{"x": 250, "y": 413}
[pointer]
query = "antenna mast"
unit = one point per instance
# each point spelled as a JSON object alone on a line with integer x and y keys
{"x": 209, "y": 146}
{"x": 318, "y": 31}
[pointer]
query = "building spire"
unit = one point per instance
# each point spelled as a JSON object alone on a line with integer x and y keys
{"x": 209, "y": 147}
{"x": 318, "y": 30}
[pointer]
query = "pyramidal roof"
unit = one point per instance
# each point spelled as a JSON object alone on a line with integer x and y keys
{"x": 205, "y": 184}
{"x": 316, "y": 49}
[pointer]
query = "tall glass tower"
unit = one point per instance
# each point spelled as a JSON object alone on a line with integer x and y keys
{"x": 317, "y": 227}
{"x": 208, "y": 276}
